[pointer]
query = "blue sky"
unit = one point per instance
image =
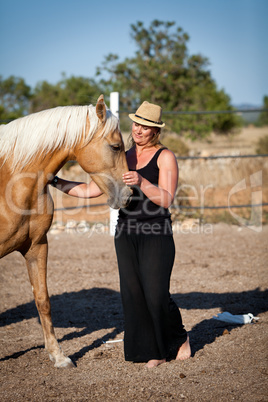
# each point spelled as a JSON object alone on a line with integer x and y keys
{"x": 40, "y": 40}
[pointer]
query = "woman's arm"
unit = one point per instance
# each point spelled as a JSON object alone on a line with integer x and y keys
{"x": 163, "y": 194}
{"x": 78, "y": 189}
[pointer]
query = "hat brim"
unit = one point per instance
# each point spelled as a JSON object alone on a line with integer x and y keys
{"x": 144, "y": 122}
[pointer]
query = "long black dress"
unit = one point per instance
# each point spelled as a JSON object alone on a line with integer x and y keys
{"x": 145, "y": 252}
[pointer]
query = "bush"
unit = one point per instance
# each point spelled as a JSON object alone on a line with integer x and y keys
{"x": 262, "y": 146}
{"x": 263, "y": 119}
{"x": 176, "y": 145}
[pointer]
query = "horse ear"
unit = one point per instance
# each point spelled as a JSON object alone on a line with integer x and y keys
{"x": 101, "y": 109}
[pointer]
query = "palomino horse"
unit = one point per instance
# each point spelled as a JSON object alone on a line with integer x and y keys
{"x": 32, "y": 150}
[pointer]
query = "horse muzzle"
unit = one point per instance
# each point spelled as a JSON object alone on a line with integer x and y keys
{"x": 122, "y": 200}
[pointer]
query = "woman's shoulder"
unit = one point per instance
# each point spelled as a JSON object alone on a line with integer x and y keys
{"x": 166, "y": 153}
{"x": 166, "y": 157}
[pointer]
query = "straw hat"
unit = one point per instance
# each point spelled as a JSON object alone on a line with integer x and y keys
{"x": 148, "y": 114}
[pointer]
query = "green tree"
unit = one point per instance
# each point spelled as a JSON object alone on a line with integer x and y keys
{"x": 68, "y": 91}
{"x": 163, "y": 72}
{"x": 15, "y": 97}
{"x": 45, "y": 96}
{"x": 78, "y": 91}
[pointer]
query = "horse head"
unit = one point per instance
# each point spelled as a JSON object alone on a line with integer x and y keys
{"x": 104, "y": 157}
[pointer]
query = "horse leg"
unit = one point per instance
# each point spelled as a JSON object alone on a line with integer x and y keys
{"x": 36, "y": 260}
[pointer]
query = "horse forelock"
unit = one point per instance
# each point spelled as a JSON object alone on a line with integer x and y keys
{"x": 51, "y": 129}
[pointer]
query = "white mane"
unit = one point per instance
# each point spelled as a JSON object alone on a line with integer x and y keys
{"x": 48, "y": 130}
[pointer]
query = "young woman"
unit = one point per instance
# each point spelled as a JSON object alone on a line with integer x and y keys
{"x": 144, "y": 244}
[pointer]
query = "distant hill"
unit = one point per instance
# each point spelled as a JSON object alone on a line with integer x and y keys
{"x": 249, "y": 117}
{"x": 247, "y": 106}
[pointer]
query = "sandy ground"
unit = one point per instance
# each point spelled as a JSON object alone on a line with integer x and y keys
{"x": 217, "y": 268}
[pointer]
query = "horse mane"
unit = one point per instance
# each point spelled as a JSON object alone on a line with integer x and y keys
{"x": 48, "y": 130}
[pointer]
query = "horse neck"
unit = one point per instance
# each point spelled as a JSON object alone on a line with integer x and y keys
{"x": 43, "y": 169}
{"x": 54, "y": 161}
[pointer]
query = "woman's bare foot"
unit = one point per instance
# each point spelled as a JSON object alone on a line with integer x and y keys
{"x": 184, "y": 351}
{"x": 154, "y": 363}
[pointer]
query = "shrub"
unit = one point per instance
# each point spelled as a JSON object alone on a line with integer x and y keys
{"x": 262, "y": 146}
{"x": 176, "y": 145}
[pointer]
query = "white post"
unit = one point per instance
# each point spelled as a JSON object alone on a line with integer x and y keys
{"x": 114, "y": 107}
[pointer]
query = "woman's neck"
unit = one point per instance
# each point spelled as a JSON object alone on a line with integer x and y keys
{"x": 140, "y": 149}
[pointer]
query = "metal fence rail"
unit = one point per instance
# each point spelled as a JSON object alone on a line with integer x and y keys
{"x": 176, "y": 206}
{"x": 190, "y": 112}
{"x": 222, "y": 156}
{"x": 220, "y": 207}
{"x": 198, "y": 112}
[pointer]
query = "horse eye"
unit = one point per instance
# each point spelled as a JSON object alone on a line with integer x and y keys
{"x": 116, "y": 147}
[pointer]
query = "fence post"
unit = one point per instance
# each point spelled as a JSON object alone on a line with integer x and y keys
{"x": 114, "y": 107}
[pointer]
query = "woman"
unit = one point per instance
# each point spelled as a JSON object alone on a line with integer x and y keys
{"x": 144, "y": 244}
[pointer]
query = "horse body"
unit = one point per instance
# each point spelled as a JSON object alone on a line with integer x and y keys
{"x": 26, "y": 206}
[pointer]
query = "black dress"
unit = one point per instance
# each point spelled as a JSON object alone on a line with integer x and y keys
{"x": 145, "y": 252}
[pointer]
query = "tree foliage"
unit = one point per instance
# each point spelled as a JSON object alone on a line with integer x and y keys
{"x": 69, "y": 91}
{"x": 163, "y": 72}
{"x": 15, "y": 97}
{"x": 18, "y": 99}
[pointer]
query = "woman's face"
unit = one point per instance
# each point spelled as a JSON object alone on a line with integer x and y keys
{"x": 142, "y": 135}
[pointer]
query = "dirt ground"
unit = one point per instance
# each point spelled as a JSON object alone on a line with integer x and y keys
{"x": 217, "y": 268}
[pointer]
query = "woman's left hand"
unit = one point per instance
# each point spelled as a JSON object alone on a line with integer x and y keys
{"x": 132, "y": 178}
